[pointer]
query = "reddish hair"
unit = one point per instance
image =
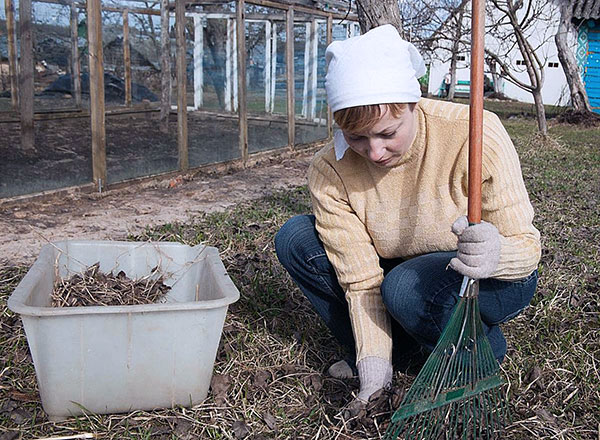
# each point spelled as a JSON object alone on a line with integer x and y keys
{"x": 361, "y": 118}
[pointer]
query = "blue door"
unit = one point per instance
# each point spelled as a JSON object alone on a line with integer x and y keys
{"x": 591, "y": 76}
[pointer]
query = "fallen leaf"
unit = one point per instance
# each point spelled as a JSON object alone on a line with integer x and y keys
{"x": 220, "y": 385}
{"x": 288, "y": 369}
{"x": 543, "y": 414}
{"x": 240, "y": 429}
{"x": 260, "y": 379}
{"x": 355, "y": 409}
{"x": 182, "y": 428}
{"x": 20, "y": 416}
{"x": 270, "y": 420}
{"x": 315, "y": 380}
{"x": 23, "y": 397}
{"x": 534, "y": 375}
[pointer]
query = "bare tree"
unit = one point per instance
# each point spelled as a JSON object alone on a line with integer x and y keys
{"x": 452, "y": 36}
{"x": 373, "y": 13}
{"x": 516, "y": 25}
{"x": 579, "y": 97}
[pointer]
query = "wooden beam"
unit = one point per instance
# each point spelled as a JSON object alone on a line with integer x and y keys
{"x": 312, "y": 74}
{"x": 268, "y": 60}
{"x": 182, "y": 128}
{"x": 26, "y": 81}
{"x": 303, "y": 9}
{"x": 267, "y": 3}
{"x": 306, "y": 70}
{"x": 241, "y": 77}
{"x": 12, "y": 53}
{"x": 289, "y": 68}
{"x": 198, "y": 62}
{"x": 165, "y": 64}
{"x": 234, "y": 64}
{"x": 273, "y": 65}
{"x": 75, "y": 66}
{"x": 127, "y": 57}
{"x": 329, "y": 113}
{"x": 96, "y": 63}
{"x": 82, "y": 5}
{"x": 229, "y": 66}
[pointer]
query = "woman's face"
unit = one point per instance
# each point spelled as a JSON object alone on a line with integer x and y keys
{"x": 388, "y": 140}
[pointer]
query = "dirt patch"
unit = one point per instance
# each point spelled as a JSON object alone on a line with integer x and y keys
{"x": 575, "y": 117}
{"x": 116, "y": 214}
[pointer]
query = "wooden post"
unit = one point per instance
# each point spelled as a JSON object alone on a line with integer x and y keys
{"x": 198, "y": 61}
{"x": 234, "y": 64}
{"x": 329, "y": 41}
{"x": 75, "y": 66}
{"x": 312, "y": 74}
{"x": 273, "y": 65}
{"x": 165, "y": 64}
{"x": 127, "y": 58}
{"x": 289, "y": 65}
{"x": 26, "y": 81}
{"x": 12, "y": 53}
{"x": 241, "y": 77}
{"x": 182, "y": 129}
{"x": 228, "y": 67}
{"x": 268, "y": 60}
{"x": 96, "y": 61}
{"x": 306, "y": 70}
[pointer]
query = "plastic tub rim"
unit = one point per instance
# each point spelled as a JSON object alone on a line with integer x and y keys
{"x": 16, "y": 301}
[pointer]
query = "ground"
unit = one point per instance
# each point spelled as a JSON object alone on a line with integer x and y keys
{"x": 270, "y": 377}
{"x": 115, "y": 214}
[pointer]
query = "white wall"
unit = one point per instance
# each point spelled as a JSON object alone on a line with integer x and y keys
{"x": 554, "y": 90}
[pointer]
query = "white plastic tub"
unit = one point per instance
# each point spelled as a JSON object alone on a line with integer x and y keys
{"x": 110, "y": 359}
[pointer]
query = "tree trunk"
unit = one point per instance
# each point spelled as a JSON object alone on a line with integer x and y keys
{"x": 452, "y": 87}
{"x": 373, "y": 13}
{"x": 579, "y": 97}
{"x": 455, "y": 49}
{"x": 540, "y": 112}
{"x": 496, "y": 79}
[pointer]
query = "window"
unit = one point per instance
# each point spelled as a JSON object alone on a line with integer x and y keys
{"x": 553, "y": 64}
{"x": 460, "y": 58}
{"x": 520, "y": 62}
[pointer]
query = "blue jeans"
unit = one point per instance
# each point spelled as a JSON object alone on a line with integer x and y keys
{"x": 419, "y": 293}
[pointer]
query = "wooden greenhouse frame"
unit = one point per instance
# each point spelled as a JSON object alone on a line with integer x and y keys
{"x": 21, "y": 83}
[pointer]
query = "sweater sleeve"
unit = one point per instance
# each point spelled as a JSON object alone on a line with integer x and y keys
{"x": 505, "y": 203}
{"x": 352, "y": 253}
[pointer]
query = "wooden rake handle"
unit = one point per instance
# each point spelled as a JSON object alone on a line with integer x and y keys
{"x": 476, "y": 110}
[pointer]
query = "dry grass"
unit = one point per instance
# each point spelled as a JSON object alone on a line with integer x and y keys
{"x": 269, "y": 375}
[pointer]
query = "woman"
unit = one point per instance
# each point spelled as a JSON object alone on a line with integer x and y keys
{"x": 383, "y": 257}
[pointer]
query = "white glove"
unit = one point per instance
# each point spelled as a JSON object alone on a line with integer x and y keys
{"x": 478, "y": 249}
{"x": 374, "y": 373}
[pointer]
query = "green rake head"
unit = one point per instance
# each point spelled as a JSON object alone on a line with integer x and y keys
{"x": 459, "y": 392}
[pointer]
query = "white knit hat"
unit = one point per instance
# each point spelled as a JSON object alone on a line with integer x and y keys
{"x": 378, "y": 67}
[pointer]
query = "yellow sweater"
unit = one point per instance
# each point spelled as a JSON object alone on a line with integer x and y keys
{"x": 364, "y": 212}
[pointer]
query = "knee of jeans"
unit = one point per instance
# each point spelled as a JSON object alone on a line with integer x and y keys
{"x": 287, "y": 240}
{"x": 394, "y": 296}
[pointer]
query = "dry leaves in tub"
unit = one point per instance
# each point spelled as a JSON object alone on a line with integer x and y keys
{"x": 95, "y": 288}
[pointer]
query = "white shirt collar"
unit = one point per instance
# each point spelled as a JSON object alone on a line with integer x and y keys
{"x": 339, "y": 144}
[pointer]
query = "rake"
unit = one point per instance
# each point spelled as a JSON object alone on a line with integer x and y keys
{"x": 459, "y": 391}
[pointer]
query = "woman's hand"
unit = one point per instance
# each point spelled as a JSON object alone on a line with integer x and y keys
{"x": 478, "y": 248}
{"x": 374, "y": 373}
